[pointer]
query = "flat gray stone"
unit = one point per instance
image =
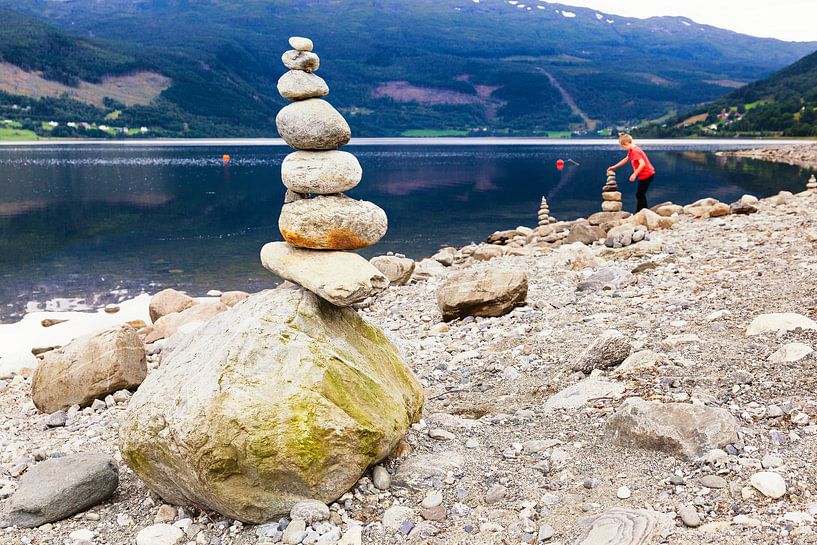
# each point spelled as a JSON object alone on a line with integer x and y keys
{"x": 577, "y": 396}
{"x": 61, "y": 487}
{"x": 625, "y": 527}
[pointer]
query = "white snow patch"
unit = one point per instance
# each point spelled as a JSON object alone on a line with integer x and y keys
{"x": 475, "y": 1}
{"x": 599, "y": 16}
{"x": 687, "y": 24}
{"x": 513, "y": 2}
{"x": 568, "y": 14}
{"x": 541, "y": 7}
{"x": 610, "y": 21}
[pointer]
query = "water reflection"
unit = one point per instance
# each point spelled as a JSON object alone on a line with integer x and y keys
{"x": 77, "y": 223}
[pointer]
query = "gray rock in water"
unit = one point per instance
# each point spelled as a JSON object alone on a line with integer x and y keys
{"x": 478, "y": 292}
{"x": 332, "y": 222}
{"x": 320, "y": 172}
{"x": 312, "y": 124}
{"x": 681, "y": 429}
{"x": 397, "y": 269}
{"x": 608, "y": 350}
{"x": 300, "y": 85}
{"x": 342, "y": 278}
{"x": 301, "y": 60}
{"x": 624, "y": 527}
{"x": 61, "y": 487}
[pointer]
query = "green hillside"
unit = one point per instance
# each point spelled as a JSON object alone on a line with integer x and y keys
{"x": 785, "y": 104}
{"x": 394, "y": 66}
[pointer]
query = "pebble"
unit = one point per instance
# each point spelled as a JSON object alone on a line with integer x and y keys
{"x": 432, "y": 500}
{"x": 381, "y": 478}
{"x": 395, "y": 516}
{"x": 83, "y": 535}
{"x": 310, "y": 511}
{"x": 440, "y": 434}
{"x": 294, "y": 533}
{"x": 770, "y": 484}
{"x": 713, "y": 481}
{"x": 495, "y": 494}
{"x": 159, "y": 534}
{"x": 689, "y": 516}
{"x": 57, "y": 419}
{"x": 623, "y": 493}
{"x": 545, "y": 533}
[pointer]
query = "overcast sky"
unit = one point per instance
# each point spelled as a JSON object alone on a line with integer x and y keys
{"x": 792, "y": 20}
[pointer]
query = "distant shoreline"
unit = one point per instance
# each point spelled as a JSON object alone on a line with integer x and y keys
{"x": 410, "y": 141}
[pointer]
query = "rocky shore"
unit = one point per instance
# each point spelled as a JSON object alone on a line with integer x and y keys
{"x": 658, "y": 391}
{"x": 804, "y": 155}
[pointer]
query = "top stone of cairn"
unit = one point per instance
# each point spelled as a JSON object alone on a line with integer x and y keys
{"x": 300, "y": 44}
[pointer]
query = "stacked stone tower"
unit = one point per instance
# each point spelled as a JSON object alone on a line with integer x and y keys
{"x": 544, "y": 214}
{"x": 611, "y": 195}
{"x": 318, "y": 222}
{"x": 812, "y": 184}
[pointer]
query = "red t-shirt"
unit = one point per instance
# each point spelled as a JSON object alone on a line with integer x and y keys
{"x": 634, "y": 154}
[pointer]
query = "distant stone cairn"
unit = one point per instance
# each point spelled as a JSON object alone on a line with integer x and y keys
{"x": 544, "y": 214}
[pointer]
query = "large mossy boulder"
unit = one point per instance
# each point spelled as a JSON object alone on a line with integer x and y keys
{"x": 280, "y": 399}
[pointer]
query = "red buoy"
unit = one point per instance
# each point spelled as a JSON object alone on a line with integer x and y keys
{"x": 225, "y": 158}
{"x": 560, "y": 164}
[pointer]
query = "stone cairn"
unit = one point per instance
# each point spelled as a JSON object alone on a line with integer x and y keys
{"x": 318, "y": 222}
{"x": 544, "y": 214}
{"x": 611, "y": 194}
{"x": 812, "y": 184}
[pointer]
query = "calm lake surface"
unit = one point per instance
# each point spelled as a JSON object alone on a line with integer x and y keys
{"x": 81, "y": 226}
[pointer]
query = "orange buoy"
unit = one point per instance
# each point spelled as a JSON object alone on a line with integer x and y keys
{"x": 225, "y": 158}
{"x": 560, "y": 164}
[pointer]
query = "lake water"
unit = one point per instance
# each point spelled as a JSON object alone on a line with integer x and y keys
{"x": 81, "y": 226}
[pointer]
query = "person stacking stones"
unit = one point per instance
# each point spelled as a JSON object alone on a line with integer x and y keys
{"x": 812, "y": 184}
{"x": 611, "y": 194}
{"x": 544, "y": 214}
{"x": 318, "y": 222}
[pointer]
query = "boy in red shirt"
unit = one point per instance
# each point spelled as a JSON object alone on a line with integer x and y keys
{"x": 644, "y": 171}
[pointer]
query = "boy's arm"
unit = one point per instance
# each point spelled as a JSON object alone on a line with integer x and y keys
{"x": 619, "y": 164}
{"x": 641, "y": 165}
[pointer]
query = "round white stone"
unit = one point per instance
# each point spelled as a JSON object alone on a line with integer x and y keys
{"x": 769, "y": 483}
{"x": 159, "y": 534}
{"x": 320, "y": 172}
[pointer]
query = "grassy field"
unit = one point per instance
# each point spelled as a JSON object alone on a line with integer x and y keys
{"x": 433, "y": 132}
{"x": 17, "y": 134}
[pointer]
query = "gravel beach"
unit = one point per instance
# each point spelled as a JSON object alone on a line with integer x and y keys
{"x": 518, "y": 446}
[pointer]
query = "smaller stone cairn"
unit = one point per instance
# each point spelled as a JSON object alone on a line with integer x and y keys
{"x": 544, "y": 214}
{"x": 812, "y": 184}
{"x": 611, "y": 195}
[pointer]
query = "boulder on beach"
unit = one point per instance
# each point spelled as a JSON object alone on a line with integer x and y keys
{"x": 342, "y": 278}
{"x": 195, "y": 316}
{"x": 281, "y": 399}
{"x": 168, "y": 301}
{"x": 58, "y": 488}
{"x": 232, "y": 298}
{"x": 681, "y": 429}
{"x": 332, "y": 222}
{"x": 89, "y": 368}
{"x": 397, "y": 269}
{"x": 478, "y": 292}
{"x": 651, "y": 220}
{"x": 584, "y": 232}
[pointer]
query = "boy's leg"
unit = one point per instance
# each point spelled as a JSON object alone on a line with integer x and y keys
{"x": 641, "y": 193}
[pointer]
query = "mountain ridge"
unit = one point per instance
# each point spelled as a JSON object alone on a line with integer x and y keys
{"x": 423, "y": 66}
